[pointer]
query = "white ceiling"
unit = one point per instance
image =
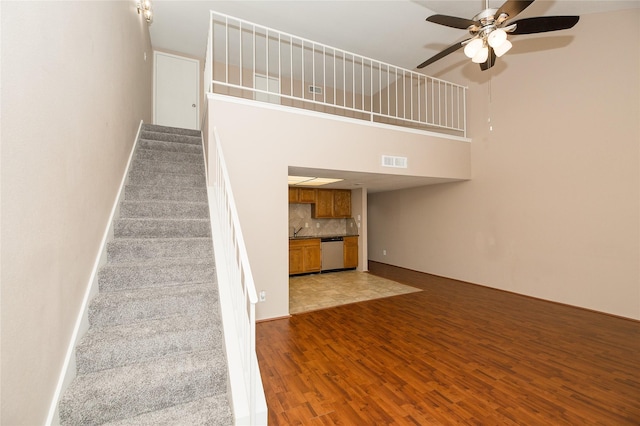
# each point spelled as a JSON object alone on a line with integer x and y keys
{"x": 393, "y": 31}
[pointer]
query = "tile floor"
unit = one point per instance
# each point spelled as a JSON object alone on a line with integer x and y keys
{"x": 319, "y": 291}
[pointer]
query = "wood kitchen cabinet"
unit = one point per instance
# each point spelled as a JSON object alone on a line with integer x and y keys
{"x": 302, "y": 195}
{"x": 304, "y": 256}
{"x": 341, "y": 203}
{"x": 332, "y": 203}
{"x": 324, "y": 204}
{"x": 350, "y": 252}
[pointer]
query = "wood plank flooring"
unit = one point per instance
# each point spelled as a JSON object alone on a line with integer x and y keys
{"x": 453, "y": 353}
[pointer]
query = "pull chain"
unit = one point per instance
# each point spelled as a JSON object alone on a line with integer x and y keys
{"x": 490, "y": 102}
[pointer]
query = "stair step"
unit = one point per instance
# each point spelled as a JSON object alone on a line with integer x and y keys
{"x": 166, "y": 180}
{"x": 111, "y": 347}
{"x": 124, "y": 307}
{"x": 171, "y": 137}
{"x": 176, "y": 157}
{"x": 170, "y": 146}
{"x": 167, "y": 129}
{"x": 132, "y": 249}
{"x": 132, "y": 390}
{"x": 156, "y": 273}
{"x": 212, "y": 411}
{"x": 164, "y": 209}
{"x": 168, "y": 167}
{"x": 146, "y": 192}
{"x": 161, "y": 228}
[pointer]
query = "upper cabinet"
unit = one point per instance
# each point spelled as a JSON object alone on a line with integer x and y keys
{"x": 332, "y": 203}
{"x": 325, "y": 203}
{"x": 302, "y": 195}
{"x": 341, "y": 203}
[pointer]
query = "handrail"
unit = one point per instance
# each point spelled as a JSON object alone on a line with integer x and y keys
{"x": 238, "y": 276}
{"x": 250, "y": 60}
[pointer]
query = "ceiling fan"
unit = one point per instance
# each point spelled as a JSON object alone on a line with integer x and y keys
{"x": 489, "y": 28}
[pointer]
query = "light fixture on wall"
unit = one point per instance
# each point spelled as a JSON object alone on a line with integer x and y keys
{"x": 144, "y": 9}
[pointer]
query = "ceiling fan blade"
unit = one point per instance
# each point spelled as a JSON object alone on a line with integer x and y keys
{"x": 513, "y": 7}
{"x": 442, "y": 54}
{"x": 491, "y": 60}
{"x": 543, "y": 24}
{"x": 452, "y": 21}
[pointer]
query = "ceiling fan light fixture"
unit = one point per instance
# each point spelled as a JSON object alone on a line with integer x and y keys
{"x": 503, "y": 48}
{"x": 489, "y": 31}
{"x": 482, "y": 56}
{"x": 473, "y": 47}
{"x": 497, "y": 37}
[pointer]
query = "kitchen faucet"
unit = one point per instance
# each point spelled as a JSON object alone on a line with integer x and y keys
{"x": 295, "y": 233}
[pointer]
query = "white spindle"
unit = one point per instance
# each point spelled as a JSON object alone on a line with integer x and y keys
{"x": 344, "y": 79}
{"x": 313, "y": 70}
{"x": 226, "y": 44}
{"x": 324, "y": 74}
{"x": 353, "y": 81}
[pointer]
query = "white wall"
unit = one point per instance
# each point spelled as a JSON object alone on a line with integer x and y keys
{"x": 553, "y": 207}
{"x": 75, "y": 86}
{"x": 260, "y": 142}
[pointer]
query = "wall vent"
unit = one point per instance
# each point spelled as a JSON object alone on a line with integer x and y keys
{"x": 315, "y": 89}
{"x": 397, "y": 162}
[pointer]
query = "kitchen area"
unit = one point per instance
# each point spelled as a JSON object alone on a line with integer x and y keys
{"x": 327, "y": 256}
{"x": 323, "y": 235}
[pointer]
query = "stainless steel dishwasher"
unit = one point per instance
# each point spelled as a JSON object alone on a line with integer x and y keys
{"x": 332, "y": 253}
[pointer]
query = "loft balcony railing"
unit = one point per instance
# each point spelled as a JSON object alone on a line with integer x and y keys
{"x": 256, "y": 62}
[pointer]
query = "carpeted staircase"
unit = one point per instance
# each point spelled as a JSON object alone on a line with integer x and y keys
{"x": 154, "y": 350}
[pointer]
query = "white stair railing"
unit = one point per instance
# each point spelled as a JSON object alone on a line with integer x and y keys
{"x": 253, "y": 61}
{"x": 238, "y": 295}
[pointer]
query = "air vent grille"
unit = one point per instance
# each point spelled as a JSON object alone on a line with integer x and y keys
{"x": 392, "y": 161}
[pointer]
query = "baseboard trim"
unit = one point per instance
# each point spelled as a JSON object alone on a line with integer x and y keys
{"x": 273, "y": 319}
{"x": 68, "y": 371}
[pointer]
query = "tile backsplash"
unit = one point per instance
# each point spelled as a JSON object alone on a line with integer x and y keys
{"x": 300, "y": 214}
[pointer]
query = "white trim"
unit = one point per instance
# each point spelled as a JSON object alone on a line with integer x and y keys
{"x": 294, "y": 110}
{"x": 68, "y": 371}
{"x": 198, "y": 94}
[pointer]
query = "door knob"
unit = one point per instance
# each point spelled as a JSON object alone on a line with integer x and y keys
{"x": 193, "y": 105}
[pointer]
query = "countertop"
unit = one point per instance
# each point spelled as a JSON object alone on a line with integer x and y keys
{"x": 313, "y": 237}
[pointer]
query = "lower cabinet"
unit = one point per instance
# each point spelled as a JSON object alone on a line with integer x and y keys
{"x": 350, "y": 252}
{"x": 304, "y": 256}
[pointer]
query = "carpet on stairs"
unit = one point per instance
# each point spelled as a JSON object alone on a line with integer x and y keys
{"x": 153, "y": 353}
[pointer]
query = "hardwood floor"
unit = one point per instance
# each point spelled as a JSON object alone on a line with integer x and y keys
{"x": 453, "y": 353}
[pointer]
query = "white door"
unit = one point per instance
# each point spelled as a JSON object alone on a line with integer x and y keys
{"x": 176, "y": 91}
{"x": 270, "y": 84}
